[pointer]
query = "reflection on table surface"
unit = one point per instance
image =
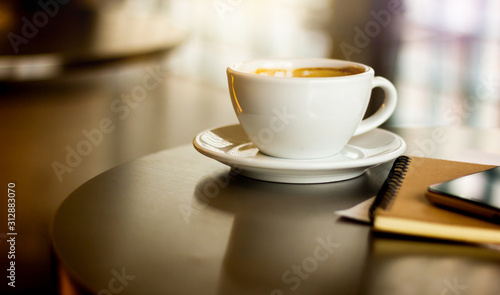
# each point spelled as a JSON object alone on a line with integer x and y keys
{"x": 412, "y": 264}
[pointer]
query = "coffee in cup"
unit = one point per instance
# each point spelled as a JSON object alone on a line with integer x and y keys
{"x": 305, "y": 108}
{"x": 310, "y": 72}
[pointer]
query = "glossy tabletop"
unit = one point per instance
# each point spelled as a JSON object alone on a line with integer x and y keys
{"x": 176, "y": 222}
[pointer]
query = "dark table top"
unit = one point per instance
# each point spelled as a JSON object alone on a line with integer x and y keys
{"x": 176, "y": 222}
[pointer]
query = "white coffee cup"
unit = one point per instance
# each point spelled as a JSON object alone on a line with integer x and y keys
{"x": 305, "y": 117}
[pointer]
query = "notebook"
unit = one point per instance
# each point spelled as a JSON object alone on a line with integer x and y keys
{"x": 401, "y": 207}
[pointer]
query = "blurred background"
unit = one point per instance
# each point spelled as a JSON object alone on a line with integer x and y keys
{"x": 88, "y": 84}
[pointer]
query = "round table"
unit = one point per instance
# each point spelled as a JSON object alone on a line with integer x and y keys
{"x": 177, "y": 222}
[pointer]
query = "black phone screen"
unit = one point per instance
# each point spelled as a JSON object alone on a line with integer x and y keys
{"x": 481, "y": 188}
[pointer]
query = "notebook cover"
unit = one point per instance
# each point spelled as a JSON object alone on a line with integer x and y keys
{"x": 401, "y": 206}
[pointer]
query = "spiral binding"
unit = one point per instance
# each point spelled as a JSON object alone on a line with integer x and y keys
{"x": 391, "y": 185}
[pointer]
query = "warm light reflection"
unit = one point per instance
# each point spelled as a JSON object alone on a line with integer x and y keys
{"x": 244, "y": 150}
{"x": 66, "y": 286}
{"x": 238, "y": 107}
{"x": 214, "y": 140}
{"x": 30, "y": 67}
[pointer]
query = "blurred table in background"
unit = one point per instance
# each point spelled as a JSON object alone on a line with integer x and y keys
{"x": 43, "y": 40}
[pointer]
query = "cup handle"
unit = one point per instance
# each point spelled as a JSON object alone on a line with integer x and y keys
{"x": 385, "y": 110}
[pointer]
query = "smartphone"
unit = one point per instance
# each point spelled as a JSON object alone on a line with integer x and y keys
{"x": 477, "y": 194}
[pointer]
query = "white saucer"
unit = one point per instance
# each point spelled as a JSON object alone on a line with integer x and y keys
{"x": 231, "y": 146}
